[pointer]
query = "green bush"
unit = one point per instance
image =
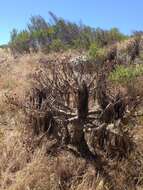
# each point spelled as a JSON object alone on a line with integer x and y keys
{"x": 21, "y": 42}
{"x": 124, "y": 74}
{"x": 57, "y": 45}
{"x": 61, "y": 34}
{"x": 115, "y": 35}
{"x": 97, "y": 53}
{"x": 93, "y": 50}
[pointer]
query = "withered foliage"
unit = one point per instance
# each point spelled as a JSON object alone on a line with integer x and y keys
{"x": 79, "y": 111}
{"x": 66, "y": 103}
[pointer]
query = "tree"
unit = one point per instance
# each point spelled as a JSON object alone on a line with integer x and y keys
{"x": 13, "y": 34}
{"x": 37, "y": 23}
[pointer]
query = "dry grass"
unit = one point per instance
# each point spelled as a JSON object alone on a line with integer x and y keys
{"x": 22, "y": 169}
{"x": 26, "y": 166}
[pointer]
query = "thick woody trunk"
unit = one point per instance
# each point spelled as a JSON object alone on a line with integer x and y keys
{"x": 78, "y": 139}
{"x": 82, "y": 107}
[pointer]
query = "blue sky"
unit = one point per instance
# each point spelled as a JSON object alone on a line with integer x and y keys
{"x": 127, "y": 15}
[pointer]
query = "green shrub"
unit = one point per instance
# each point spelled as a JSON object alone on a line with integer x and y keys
{"x": 57, "y": 45}
{"x": 96, "y": 53}
{"x": 21, "y": 42}
{"x": 115, "y": 35}
{"x": 124, "y": 74}
{"x": 61, "y": 34}
{"x": 93, "y": 50}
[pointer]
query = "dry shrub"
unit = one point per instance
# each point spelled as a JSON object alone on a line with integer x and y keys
{"x": 31, "y": 162}
{"x": 35, "y": 175}
{"x": 21, "y": 167}
{"x": 69, "y": 169}
{"x": 127, "y": 173}
{"x": 91, "y": 181}
{"x": 129, "y": 50}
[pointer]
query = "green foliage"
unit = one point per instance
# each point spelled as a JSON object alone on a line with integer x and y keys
{"x": 93, "y": 50}
{"x": 20, "y": 42}
{"x": 125, "y": 75}
{"x": 57, "y": 45}
{"x": 116, "y": 35}
{"x": 60, "y": 34}
{"x": 13, "y": 34}
{"x": 37, "y": 23}
{"x": 4, "y": 46}
{"x": 97, "y": 53}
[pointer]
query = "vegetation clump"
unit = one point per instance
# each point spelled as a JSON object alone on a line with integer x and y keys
{"x": 60, "y": 35}
{"x": 71, "y": 108}
{"x": 123, "y": 74}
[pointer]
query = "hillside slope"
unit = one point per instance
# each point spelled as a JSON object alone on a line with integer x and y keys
{"x": 35, "y": 162}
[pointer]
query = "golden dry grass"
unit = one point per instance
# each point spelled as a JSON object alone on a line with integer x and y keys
{"x": 25, "y": 166}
